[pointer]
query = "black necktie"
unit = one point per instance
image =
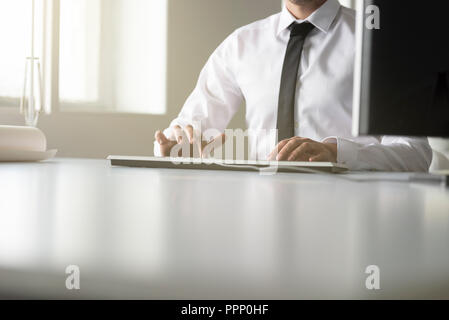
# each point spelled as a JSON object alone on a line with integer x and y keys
{"x": 286, "y": 106}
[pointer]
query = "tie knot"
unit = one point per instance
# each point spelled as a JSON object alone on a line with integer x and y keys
{"x": 300, "y": 29}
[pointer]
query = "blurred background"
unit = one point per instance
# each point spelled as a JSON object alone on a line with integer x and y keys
{"x": 115, "y": 71}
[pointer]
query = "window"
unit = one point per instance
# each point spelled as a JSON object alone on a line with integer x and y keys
{"x": 15, "y": 35}
{"x": 112, "y": 53}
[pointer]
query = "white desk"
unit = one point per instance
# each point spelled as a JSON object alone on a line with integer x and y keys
{"x": 143, "y": 233}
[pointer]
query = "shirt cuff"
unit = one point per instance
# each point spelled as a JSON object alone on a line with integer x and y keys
{"x": 347, "y": 151}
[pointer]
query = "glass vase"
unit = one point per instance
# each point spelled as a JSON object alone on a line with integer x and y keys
{"x": 31, "y": 102}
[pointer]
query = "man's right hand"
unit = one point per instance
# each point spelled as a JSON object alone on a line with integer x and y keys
{"x": 181, "y": 137}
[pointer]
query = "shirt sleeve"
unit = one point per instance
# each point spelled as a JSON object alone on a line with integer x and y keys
{"x": 388, "y": 154}
{"x": 216, "y": 97}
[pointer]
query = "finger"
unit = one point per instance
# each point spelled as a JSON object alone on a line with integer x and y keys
{"x": 220, "y": 139}
{"x": 179, "y": 133}
{"x": 164, "y": 143}
{"x": 195, "y": 148}
{"x": 322, "y": 157}
{"x": 215, "y": 143}
{"x": 288, "y": 149}
{"x": 303, "y": 152}
{"x": 175, "y": 150}
{"x": 275, "y": 152}
{"x": 161, "y": 138}
{"x": 189, "y": 132}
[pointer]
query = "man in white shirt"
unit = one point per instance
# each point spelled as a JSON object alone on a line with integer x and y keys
{"x": 294, "y": 70}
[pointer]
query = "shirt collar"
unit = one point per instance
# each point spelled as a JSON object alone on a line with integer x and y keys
{"x": 322, "y": 18}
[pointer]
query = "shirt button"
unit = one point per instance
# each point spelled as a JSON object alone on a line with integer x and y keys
{"x": 296, "y": 125}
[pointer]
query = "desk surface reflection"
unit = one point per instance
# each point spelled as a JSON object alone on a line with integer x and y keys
{"x": 175, "y": 234}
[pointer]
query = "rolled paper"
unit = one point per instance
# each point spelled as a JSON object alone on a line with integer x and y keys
{"x": 22, "y": 138}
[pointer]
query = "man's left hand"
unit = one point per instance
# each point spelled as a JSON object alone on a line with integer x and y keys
{"x": 302, "y": 149}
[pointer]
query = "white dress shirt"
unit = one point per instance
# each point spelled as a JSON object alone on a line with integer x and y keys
{"x": 247, "y": 67}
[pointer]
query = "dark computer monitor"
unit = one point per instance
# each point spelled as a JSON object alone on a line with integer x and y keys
{"x": 402, "y": 69}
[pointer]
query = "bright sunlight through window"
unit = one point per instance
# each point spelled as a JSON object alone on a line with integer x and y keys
{"x": 15, "y": 34}
{"x": 113, "y": 55}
